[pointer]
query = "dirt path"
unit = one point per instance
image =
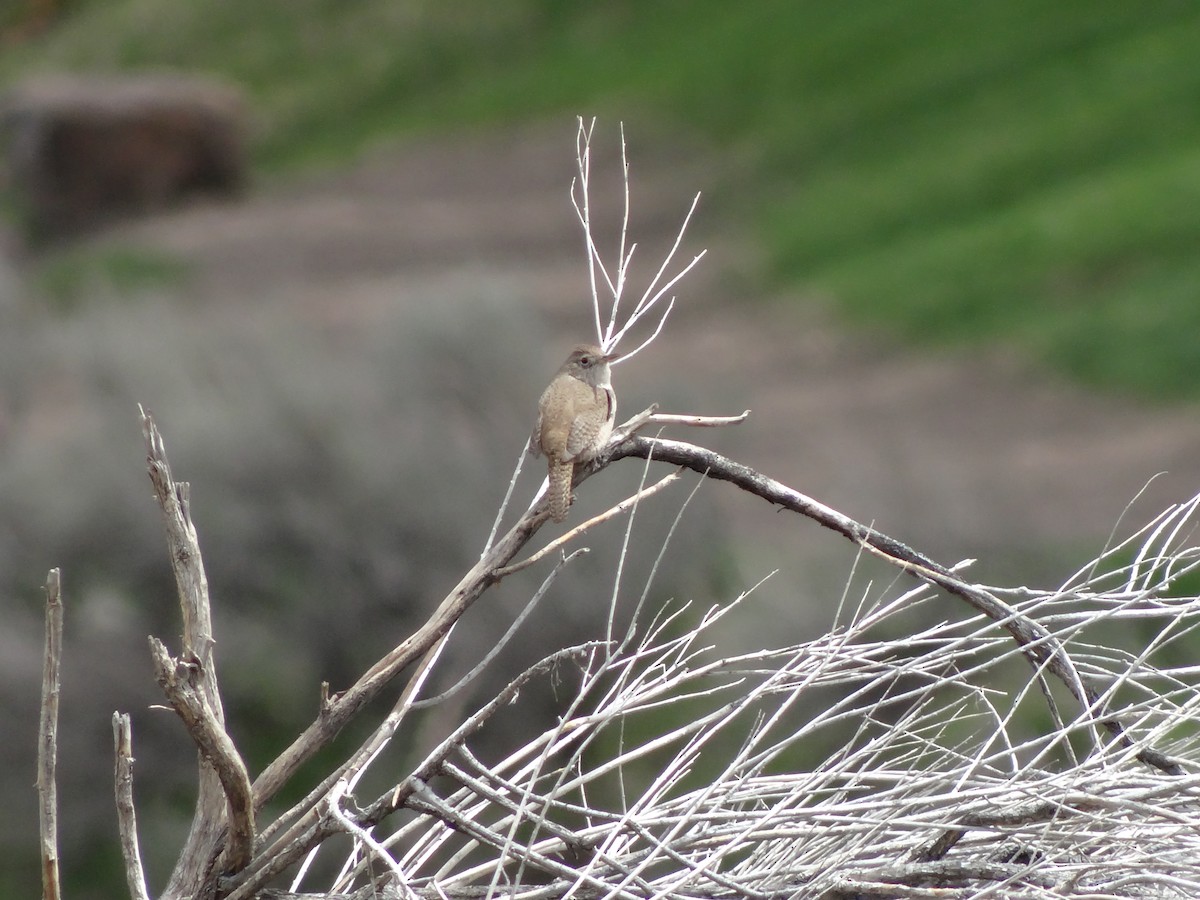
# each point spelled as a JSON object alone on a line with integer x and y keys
{"x": 962, "y": 456}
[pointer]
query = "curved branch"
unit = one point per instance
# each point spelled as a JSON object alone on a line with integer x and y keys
{"x": 181, "y": 682}
{"x": 1041, "y": 648}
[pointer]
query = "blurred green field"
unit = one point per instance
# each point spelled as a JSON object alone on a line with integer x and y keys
{"x": 951, "y": 173}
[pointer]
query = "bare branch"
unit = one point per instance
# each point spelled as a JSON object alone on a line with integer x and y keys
{"x": 607, "y": 801}
{"x": 633, "y": 424}
{"x": 345, "y": 706}
{"x": 135, "y": 876}
{"x": 582, "y": 204}
{"x": 311, "y": 815}
{"x": 624, "y": 258}
{"x": 363, "y": 836}
{"x": 756, "y": 825}
{"x": 699, "y": 421}
{"x": 564, "y": 539}
{"x": 659, "y": 672}
{"x": 648, "y": 341}
{"x": 512, "y": 629}
{"x": 610, "y": 330}
{"x": 47, "y": 783}
{"x": 651, "y": 296}
{"x": 1041, "y": 648}
{"x": 508, "y": 492}
{"x": 306, "y": 810}
{"x": 186, "y": 561}
{"x": 180, "y": 681}
{"x": 201, "y": 849}
{"x": 300, "y": 840}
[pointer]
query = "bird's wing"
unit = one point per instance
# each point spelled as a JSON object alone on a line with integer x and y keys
{"x": 584, "y": 428}
{"x": 535, "y": 439}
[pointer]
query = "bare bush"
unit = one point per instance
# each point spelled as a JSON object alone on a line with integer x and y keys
{"x": 1015, "y": 750}
{"x": 680, "y": 772}
{"x": 344, "y": 479}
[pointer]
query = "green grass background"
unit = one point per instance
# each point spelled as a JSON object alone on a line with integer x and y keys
{"x": 1020, "y": 170}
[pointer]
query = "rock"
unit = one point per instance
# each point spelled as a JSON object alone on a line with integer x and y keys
{"x": 85, "y": 151}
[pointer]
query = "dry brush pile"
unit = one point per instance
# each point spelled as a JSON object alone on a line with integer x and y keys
{"x": 1013, "y": 750}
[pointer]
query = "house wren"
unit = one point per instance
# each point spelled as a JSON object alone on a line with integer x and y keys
{"x": 575, "y": 420}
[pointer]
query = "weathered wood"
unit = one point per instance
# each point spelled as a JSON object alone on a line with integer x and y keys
{"x": 47, "y": 782}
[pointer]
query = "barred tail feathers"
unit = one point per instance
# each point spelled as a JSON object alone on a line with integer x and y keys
{"x": 560, "y": 489}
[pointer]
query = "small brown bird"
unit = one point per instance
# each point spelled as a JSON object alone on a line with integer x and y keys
{"x": 575, "y": 420}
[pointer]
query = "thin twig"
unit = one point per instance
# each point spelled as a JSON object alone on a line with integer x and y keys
{"x": 610, "y": 330}
{"x": 633, "y": 424}
{"x": 364, "y": 836}
{"x": 508, "y": 492}
{"x": 135, "y": 875}
{"x": 583, "y": 155}
{"x": 345, "y": 706}
{"x": 512, "y": 629}
{"x": 698, "y": 421}
{"x": 662, "y": 320}
{"x": 247, "y": 883}
{"x": 623, "y": 258}
{"x": 47, "y": 783}
{"x": 610, "y": 513}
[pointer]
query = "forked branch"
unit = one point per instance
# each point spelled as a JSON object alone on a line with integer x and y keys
{"x": 180, "y": 681}
{"x": 219, "y": 792}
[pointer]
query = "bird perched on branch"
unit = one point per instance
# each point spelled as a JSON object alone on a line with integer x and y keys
{"x": 575, "y": 419}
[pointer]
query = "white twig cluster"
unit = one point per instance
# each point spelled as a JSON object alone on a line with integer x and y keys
{"x": 857, "y": 764}
{"x": 607, "y": 281}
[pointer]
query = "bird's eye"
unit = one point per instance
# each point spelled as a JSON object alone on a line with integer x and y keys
{"x": 585, "y": 361}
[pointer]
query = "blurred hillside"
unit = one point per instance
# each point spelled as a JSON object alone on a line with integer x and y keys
{"x": 954, "y": 173}
{"x": 344, "y": 364}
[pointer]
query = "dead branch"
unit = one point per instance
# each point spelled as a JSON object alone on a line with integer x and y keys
{"x": 180, "y": 681}
{"x": 201, "y": 850}
{"x": 47, "y": 784}
{"x": 342, "y": 708}
{"x": 135, "y": 876}
{"x": 186, "y": 561}
{"x": 698, "y": 421}
{"x": 609, "y": 334}
{"x": 300, "y": 839}
{"x": 203, "y": 713}
{"x": 723, "y": 837}
{"x": 930, "y": 879}
{"x": 311, "y": 825}
{"x": 1041, "y": 648}
{"x": 578, "y": 530}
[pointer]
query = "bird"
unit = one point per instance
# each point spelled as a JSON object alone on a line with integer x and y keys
{"x": 575, "y": 419}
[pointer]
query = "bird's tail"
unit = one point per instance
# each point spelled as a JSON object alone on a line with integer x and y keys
{"x": 560, "y": 489}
